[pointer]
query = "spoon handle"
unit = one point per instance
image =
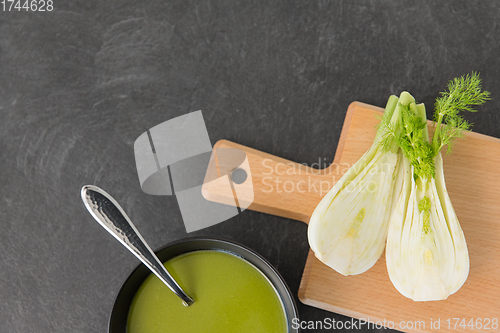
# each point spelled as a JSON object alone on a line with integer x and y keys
{"x": 113, "y": 218}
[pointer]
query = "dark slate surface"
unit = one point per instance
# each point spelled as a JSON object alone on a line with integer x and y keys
{"x": 79, "y": 84}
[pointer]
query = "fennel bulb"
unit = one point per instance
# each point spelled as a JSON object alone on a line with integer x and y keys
{"x": 348, "y": 229}
{"x": 426, "y": 254}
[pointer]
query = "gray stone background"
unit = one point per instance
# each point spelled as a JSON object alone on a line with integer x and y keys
{"x": 79, "y": 84}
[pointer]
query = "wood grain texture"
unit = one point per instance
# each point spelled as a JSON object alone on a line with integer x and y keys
{"x": 292, "y": 190}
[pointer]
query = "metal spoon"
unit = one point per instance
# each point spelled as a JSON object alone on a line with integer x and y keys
{"x": 113, "y": 218}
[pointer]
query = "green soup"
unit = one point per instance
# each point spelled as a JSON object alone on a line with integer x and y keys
{"x": 230, "y": 294}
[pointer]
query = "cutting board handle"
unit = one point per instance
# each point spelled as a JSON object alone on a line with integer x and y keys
{"x": 281, "y": 187}
{"x": 284, "y": 188}
{"x": 273, "y": 185}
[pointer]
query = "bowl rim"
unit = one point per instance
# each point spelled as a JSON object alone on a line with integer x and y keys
{"x": 284, "y": 298}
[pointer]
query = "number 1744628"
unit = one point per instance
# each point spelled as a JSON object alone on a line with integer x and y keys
{"x": 27, "y": 5}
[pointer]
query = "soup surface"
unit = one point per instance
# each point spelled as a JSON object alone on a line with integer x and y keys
{"x": 230, "y": 295}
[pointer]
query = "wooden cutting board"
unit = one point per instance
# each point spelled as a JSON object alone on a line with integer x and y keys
{"x": 280, "y": 187}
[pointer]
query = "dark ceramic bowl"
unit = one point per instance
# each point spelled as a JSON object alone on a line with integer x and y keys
{"x": 119, "y": 314}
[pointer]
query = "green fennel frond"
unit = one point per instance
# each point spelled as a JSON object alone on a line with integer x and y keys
{"x": 406, "y": 127}
{"x": 408, "y": 135}
{"x": 412, "y": 142}
{"x": 463, "y": 94}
